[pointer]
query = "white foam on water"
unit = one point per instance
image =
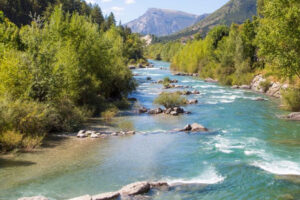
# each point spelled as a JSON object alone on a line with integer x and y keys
{"x": 282, "y": 167}
{"x": 209, "y": 176}
{"x": 227, "y": 146}
{"x": 226, "y": 101}
{"x": 205, "y": 86}
{"x": 154, "y": 131}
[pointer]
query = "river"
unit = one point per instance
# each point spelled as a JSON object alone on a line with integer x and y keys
{"x": 249, "y": 153}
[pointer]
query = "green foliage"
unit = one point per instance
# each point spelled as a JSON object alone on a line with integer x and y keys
{"x": 291, "y": 99}
{"x": 109, "y": 114}
{"x": 279, "y": 35}
{"x": 170, "y": 100}
{"x": 10, "y": 140}
{"x": 57, "y": 72}
{"x": 225, "y": 54}
{"x": 166, "y": 81}
{"x": 164, "y": 52}
{"x": 265, "y": 85}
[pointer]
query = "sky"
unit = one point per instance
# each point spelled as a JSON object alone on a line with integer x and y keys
{"x": 127, "y": 10}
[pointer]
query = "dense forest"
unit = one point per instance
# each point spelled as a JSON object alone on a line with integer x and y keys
{"x": 60, "y": 62}
{"x": 268, "y": 44}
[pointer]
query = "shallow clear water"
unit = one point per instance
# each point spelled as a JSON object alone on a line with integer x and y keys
{"x": 249, "y": 153}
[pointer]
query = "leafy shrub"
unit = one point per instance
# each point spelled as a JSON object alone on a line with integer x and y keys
{"x": 166, "y": 81}
{"x": 31, "y": 142}
{"x": 265, "y": 85}
{"x": 291, "y": 99}
{"x": 10, "y": 140}
{"x": 170, "y": 100}
{"x": 63, "y": 115}
{"x": 26, "y": 117}
{"x": 109, "y": 114}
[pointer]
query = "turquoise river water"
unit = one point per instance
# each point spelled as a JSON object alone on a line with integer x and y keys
{"x": 249, "y": 153}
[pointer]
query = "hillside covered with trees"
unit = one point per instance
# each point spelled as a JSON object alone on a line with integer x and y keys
{"x": 267, "y": 44}
{"x": 61, "y": 64}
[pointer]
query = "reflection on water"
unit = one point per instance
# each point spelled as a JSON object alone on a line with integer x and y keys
{"x": 250, "y": 153}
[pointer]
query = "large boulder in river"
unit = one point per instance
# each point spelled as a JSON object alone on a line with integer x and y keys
{"x": 135, "y": 189}
{"x": 197, "y": 127}
{"x": 34, "y": 198}
{"x": 85, "y": 197}
{"x": 82, "y": 134}
{"x": 155, "y": 111}
{"x": 107, "y": 196}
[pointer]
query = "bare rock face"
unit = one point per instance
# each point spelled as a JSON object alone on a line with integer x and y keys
{"x": 274, "y": 90}
{"x": 107, "y": 196}
{"x": 162, "y": 22}
{"x": 34, "y": 198}
{"x": 85, "y": 197}
{"x": 135, "y": 189}
{"x": 256, "y": 82}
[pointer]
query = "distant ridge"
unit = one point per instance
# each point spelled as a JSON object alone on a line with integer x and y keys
{"x": 235, "y": 11}
{"x": 161, "y": 22}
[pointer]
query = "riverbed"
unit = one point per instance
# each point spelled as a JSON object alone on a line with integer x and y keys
{"x": 248, "y": 154}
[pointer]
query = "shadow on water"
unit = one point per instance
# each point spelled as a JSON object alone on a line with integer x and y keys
{"x": 5, "y": 163}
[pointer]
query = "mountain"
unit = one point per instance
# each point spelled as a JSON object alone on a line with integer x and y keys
{"x": 235, "y": 11}
{"x": 160, "y": 22}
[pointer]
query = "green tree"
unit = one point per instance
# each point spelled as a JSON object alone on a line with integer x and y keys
{"x": 278, "y": 36}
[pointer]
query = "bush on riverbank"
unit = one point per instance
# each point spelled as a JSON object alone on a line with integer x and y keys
{"x": 291, "y": 99}
{"x": 170, "y": 100}
{"x": 56, "y": 72}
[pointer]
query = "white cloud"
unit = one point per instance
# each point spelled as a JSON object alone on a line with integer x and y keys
{"x": 104, "y": 1}
{"x": 129, "y": 1}
{"x": 117, "y": 9}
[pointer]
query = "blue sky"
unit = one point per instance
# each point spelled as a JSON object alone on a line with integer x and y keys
{"x": 127, "y": 10}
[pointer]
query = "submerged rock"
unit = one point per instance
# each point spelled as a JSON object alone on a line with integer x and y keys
{"x": 94, "y": 135}
{"x": 135, "y": 188}
{"x": 143, "y": 110}
{"x": 159, "y": 185}
{"x": 106, "y": 196}
{"x": 245, "y": 87}
{"x": 34, "y": 198}
{"x": 193, "y": 101}
{"x": 293, "y": 116}
{"x": 235, "y": 87}
{"x": 259, "y": 99}
{"x": 85, "y": 197}
{"x": 195, "y": 92}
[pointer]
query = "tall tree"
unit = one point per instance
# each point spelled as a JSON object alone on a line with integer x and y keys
{"x": 279, "y": 35}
